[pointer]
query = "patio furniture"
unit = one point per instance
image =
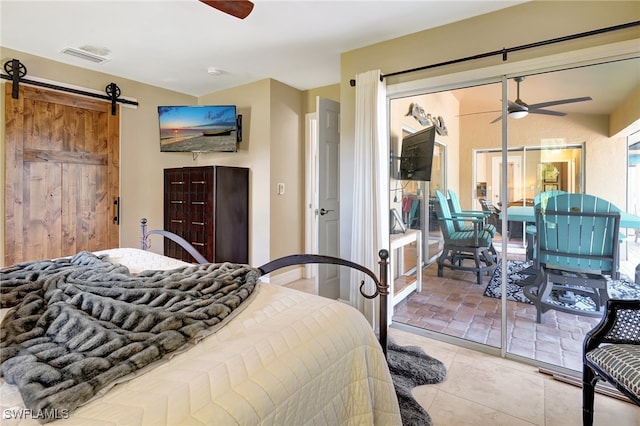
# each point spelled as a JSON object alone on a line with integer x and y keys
{"x": 576, "y": 249}
{"x": 475, "y": 245}
{"x": 612, "y": 353}
{"x": 414, "y": 214}
{"x": 493, "y": 214}
{"x": 460, "y": 225}
{"x": 528, "y": 214}
{"x": 530, "y": 229}
{"x": 397, "y": 243}
{"x": 516, "y": 230}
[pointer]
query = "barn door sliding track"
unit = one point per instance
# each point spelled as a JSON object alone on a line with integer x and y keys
{"x": 16, "y": 71}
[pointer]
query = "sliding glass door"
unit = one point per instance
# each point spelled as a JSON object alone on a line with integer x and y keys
{"x": 573, "y": 138}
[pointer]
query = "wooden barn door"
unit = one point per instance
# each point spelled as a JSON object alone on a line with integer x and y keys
{"x": 62, "y": 175}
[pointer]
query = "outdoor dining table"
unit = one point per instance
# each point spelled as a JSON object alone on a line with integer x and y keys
{"x": 528, "y": 214}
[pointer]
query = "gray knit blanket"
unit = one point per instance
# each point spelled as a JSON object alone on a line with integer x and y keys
{"x": 81, "y": 324}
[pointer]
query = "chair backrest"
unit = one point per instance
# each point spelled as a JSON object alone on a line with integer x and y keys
{"x": 454, "y": 204}
{"x": 488, "y": 206}
{"x": 493, "y": 213}
{"x": 578, "y": 232}
{"x": 444, "y": 214}
{"x": 413, "y": 213}
{"x": 544, "y": 196}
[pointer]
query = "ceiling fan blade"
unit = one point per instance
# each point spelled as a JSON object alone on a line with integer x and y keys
{"x": 548, "y": 112}
{"x": 559, "y": 102}
{"x": 238, "y": 8}
{"x": 476, "y": 113}
{"x": 496, "y": 120}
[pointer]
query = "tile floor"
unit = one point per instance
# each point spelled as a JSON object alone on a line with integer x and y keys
{"x": 483, "y": 389}
{"x": 455, "y": 305}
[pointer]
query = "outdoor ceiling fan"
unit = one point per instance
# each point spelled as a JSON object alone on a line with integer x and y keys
{"x": 238, "y": 8}
{"x": 519, "y": 109}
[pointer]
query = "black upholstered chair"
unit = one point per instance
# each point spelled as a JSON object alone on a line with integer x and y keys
{"x": 493, "y": 214}
{"x": 460, "y": 225}
{"x": 612, "y": 353}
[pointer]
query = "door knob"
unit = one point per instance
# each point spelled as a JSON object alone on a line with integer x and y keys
{"x": 323, "y": 211}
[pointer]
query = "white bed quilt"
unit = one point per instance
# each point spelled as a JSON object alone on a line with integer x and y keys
{"x": 289, "y": 358}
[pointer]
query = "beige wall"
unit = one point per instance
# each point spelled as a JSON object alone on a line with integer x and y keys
{"x": 518, "y": 25}
{"x": 327, "y": 92}
{"x": 265, "y": 103}
{"x": 141, "y": 162}
{"x": 273, "y": 149}
{"x": 253, "y": 102}
{"x": 438, "y": 104}
{"x": 536, "y": 130}
{"x": 272, "y": 138}
{"x": 624, "y": 119}
{"x": 287, "y": 167}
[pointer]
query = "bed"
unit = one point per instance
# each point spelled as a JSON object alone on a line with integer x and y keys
{"x": 286, "y": 357}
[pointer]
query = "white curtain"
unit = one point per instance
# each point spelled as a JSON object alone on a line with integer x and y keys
{"x": 370, "y": 221}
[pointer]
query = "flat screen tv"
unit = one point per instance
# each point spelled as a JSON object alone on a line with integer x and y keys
{"x": 417, "y": 155}
{"x": 198, "y": 128}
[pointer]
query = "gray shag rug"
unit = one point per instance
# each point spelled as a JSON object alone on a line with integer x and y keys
{"x": 411, "y": 367}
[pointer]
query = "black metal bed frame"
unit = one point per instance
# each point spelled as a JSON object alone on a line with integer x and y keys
{"x": 381, "y": 285}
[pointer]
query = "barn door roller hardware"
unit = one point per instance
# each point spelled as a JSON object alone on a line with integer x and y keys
{"x": 16, "y": 71}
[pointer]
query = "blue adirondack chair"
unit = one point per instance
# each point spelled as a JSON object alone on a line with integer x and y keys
{"x": 414, "y": 215}
{"x": 461, "y": 225}
{"x": 530, "y": 230}
{"x": 576, "y": 251}
{"x": 542, "y": 199}
{"x": 475, "y": 245}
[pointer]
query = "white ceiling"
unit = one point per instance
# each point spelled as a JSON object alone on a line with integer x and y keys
{"x": 608, "y": 84}
{"x": 172, "y": 44}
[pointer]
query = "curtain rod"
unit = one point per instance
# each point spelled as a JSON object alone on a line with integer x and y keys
{"x": 505, "y": 51}
{"x": 17, "y": 70}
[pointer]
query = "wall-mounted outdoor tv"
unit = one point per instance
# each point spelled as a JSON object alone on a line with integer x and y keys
{"x": 198, "y": 128}
{"x": 417, "y": 155}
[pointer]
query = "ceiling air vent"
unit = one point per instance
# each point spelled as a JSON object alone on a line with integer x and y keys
{"x": 83, "y": 54}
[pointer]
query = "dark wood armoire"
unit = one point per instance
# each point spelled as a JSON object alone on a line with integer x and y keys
{"x": 209, "y": 207}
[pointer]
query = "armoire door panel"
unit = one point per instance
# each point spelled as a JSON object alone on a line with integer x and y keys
{"x": 210, "y": 198}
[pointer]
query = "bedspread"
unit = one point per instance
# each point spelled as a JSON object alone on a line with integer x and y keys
{"x": 80, "y": 324}
{"x": 288, "y": 358}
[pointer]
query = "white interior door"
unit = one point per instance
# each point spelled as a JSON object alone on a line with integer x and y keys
{"x": 515, "y": 179}
{"x": 328, "y": 208}
{"x": 311, "y": 191}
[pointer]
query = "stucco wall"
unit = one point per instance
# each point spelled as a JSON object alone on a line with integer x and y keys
{"x": 536, "y": 130}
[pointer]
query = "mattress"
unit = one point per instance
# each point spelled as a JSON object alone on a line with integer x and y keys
{"x": 289, "y": 358}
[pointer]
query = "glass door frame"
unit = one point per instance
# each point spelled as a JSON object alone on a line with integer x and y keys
{"x": 591, "y": 56}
